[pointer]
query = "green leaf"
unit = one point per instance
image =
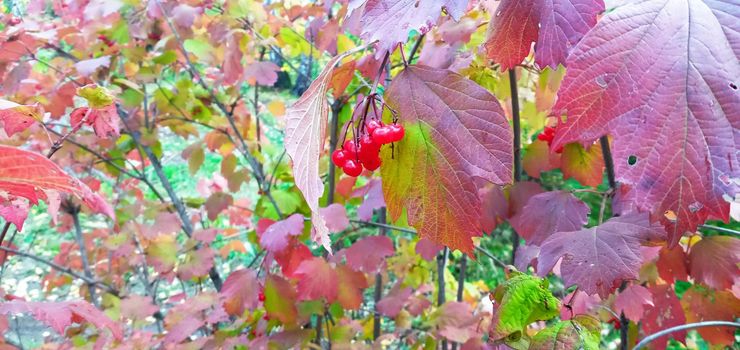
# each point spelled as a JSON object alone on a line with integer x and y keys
{"x": 167, "y": 57}
{"x": 523, "y": 299}
{"x": 580, "y": 332}
{"x": 96, "y": 96}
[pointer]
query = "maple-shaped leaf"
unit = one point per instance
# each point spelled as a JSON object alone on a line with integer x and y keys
{"x": 14, "y": 211}
{"x": 60, "y": 315}
{"x": 701, "y": 305}
{"x": 317, "y": 280}
{"x": 665, "y": 313}
{"x": 585, "y": 165}
{"x": 137, "y": 307}
{"x": 521, "y": 299}
{"x": 350, "y": 285}
{"x": 714, "y": 261}
{"x": 291, "y": 257}
{"x": 196, "y": 263}
{"x": 661, "y": 78}
{"x": 672, "y": 264}
{"x": 548, "y": 213}
{"x": 394, "y": 301}
{"x": 553, "y": 25}
{"x": 456, "y": 134}
{"x": 632, "y": 301}
{"x": 101, "y": 113}
{"x": 240, "y": 292}
{"x": 390, "y": 21}
{"x": 275, "y": 238}
{"x": 335, "y": 216}
{"x": 280, "y": 299}
{"x": 15, "y": 118}
{"x": 368, "y": 254}
{"x": 580, "y": 332}
{"x": 580, "y": 303}
{"x": 597, "y": 259}
{"x": 305, "y": 132}
{"x": 262, "y": 73}
{"x": 33, "y": 176}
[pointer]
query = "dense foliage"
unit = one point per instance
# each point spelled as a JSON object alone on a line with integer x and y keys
{"x": 245, "y": 174}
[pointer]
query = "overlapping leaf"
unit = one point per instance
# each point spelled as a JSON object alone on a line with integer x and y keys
{"x": 555, "y": 26}
{"x": 661, "y": 78}
{"x": 456, "y": 133}
{"x": 596, "y": 259}
{"x": 714, "y": 261}
{"x": 33, "y": 176}
{"x": 548, "y": 213}
{"x": 60, "y": 315}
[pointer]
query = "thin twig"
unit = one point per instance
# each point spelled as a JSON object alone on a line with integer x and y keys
{"x": 517, "y": 147}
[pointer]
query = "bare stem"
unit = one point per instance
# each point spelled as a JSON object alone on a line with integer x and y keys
{"x": 517, "y": 147}
{"x": 659, "y": 334}
{"x": 75, "y": 212}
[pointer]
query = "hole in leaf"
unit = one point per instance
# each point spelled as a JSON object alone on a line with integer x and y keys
{"x": 632, "y": 160}
{"x": 733, "y": 86}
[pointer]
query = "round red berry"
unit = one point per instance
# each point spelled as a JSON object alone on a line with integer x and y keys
{"x": 352, "y": 168}
{"x": 396, "y": 132}
{"x": 372, "y": 163}
{"x": 371, "y": 125}
{"x": 350, "y": 147}
{"x": 382, "y": 135}
{"x": 262, "y": 296}
{"x": 339, "y": 157}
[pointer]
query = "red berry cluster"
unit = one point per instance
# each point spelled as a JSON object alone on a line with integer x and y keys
{"x": 548, "y": 135}
{"x": 365, "y": 150}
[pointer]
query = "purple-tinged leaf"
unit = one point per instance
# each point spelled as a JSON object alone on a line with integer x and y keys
{"x": 548, "y": 213}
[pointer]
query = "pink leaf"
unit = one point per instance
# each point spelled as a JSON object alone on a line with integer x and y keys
{"x": 14, "y": 211}
{"x": 674, "y": 125}
{"x": 368, "y": 254}
{"x": 597, "y": 259}
{"x": 374, "y": 200}
{"x": 184, "y": 15}
{"x": 262, "y": 73}
{"x": 240, "y": 292}
{"x": 335, "y": 216}
{"x": 548, "y": 213}
{"x": 390, "y": 21}
{"x": 60, "y": 315}
{"x": 427, "y": 248}
{"x": 305, "y": 133}
{"x": 666, "y": 312}
{"x": 394, "y": 301}
{"x": 275, "y": 238}
{"x": 633, "y": 301}
{"x": 28, "y": 175}
{"x": 137, "y": 307}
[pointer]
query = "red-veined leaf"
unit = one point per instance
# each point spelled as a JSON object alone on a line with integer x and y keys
{"x": 456, "y": 133}
{"x": 658, "y": 77}
{"x": 548, "y": 213}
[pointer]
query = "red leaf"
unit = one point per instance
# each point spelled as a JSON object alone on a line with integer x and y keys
{"x": 29, "y": 175}
{"x": 633, "y": 301}
{"x": 349, "y": 287}
{"x": 14, "y": 211}
{"x": 60, "y": 315}
{"x": 665, "y": 313}
{"x": 290, "y": 258}
{"x": 16, "y": 118}
{"x": 368, "y": 254}
{"x": 678, "y": 117}
{"x": 704, "y": 305}
{"x": 240, "y": 292}
{"x": 597, "y": 259}
{"x": 714, "y": 261}
{"x": 554, "y": 25}
{"x": 671, "y": 264}
{"x": 427, "y": 248}
{"x": 434, "y": 174}
{"x": 275, "y": 238}
{"x": 394, "y": 301}
{"x": 548, "y": 213}
{"x": 317, "y": 280}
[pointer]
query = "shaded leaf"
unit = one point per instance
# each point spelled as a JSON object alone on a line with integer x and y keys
{"x": 368, "y": 254}
{"x": 275, "y": 238}
{"x": 632, "y": 302}
{"x": 665, "y": 313}
{"x": 317, "y": 280}
{"x": 60, "y": 315}
{"x": 335, "y": 216}
{"x": 240, "y": 292}
{"x": 554, "y": 25}
{"x": 548, "y": 213}
{"x": 350, "y": 285}
{"x": 586, "y": 165}
{"x": 433, "y": 173}
{"x": 580, "y": 332}
{"x": 16, "y": 118}
{"x": 714, "y": 261}
{"x": 701, "y": 305}
{"x": 597, "y": 259}
{"x": 678, "y": 117}
{"x": 280, "y": 298}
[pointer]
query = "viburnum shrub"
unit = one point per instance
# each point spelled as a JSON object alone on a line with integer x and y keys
{"x": 369, "y": 174}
